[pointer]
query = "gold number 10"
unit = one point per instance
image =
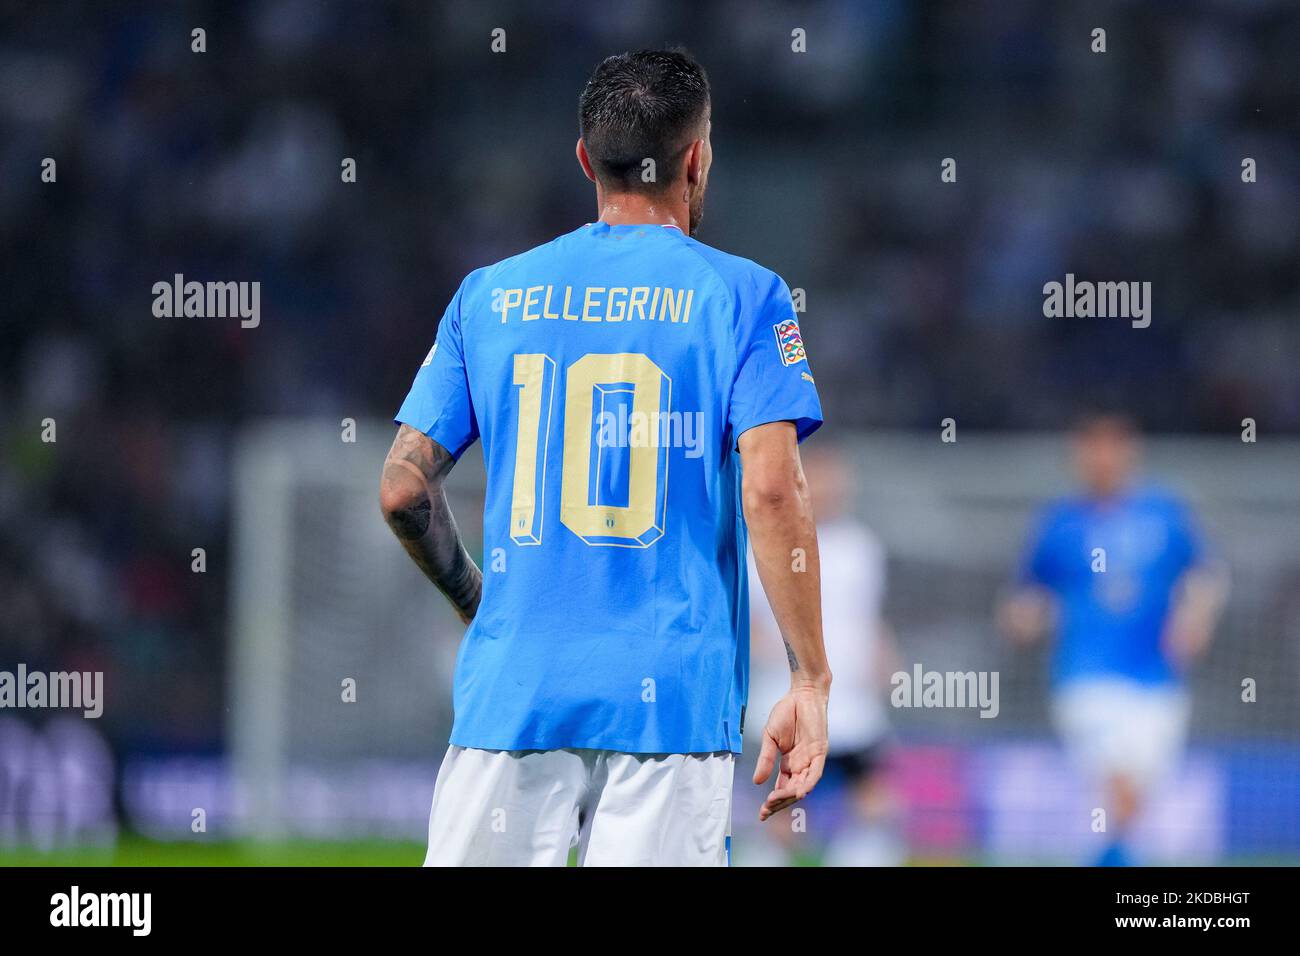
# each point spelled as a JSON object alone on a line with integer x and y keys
{"x": 592, "y": 393}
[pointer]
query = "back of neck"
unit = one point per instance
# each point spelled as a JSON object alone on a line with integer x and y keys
{"x": 630, "y": 209}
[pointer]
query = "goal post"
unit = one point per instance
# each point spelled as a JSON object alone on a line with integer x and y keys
{"x": 340, "y": 651}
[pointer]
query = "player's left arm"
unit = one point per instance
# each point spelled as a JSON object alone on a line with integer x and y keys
{"x": 415, "y": 506}
{"x": 1199, "y": 596}
{"x": 1198, "y": 602}
{"x": 778, "y": 511}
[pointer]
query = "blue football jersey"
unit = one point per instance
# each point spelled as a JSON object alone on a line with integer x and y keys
{"x": 609, "y": 374}
{"x": 1111, "y": 621}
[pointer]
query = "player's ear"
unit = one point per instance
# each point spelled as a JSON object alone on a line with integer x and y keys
{"x": 584, "y": 160}
{"x": 695, "y": 163}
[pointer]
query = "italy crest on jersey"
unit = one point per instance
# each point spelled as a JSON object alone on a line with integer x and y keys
{"x": 789, "y": 342}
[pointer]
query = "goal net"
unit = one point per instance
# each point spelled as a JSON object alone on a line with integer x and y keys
{"x": 341, "y": 651}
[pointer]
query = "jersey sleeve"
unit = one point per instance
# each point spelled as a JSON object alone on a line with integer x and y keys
{"x": 1038, "y": 560}
{"x": 439, "y": 402}
{"x": 1186, "y": 545}
{"x": 773, "y": 381}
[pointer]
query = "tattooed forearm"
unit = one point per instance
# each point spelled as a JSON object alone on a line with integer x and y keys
{"x": 789, "y": 656}
{"x": 416, "y": 509}
{"x": 411, "y": 523}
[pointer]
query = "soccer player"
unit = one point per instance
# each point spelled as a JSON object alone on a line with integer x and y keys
{"x": 635, "y": 390}
{"x": 1136, "y": 600}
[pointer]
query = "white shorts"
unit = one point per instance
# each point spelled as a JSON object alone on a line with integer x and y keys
{"x": 1113, "y": 726}
{"x": 529, "y": 807}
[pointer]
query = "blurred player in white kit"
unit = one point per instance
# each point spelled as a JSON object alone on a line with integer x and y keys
{"x": 860, "y": 648}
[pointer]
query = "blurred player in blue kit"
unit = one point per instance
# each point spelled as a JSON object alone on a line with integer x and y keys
{"x": 1121, "y": 569}
{"x": 636, "y": 392}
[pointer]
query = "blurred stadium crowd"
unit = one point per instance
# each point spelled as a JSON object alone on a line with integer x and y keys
{"x": 924, "y": 299}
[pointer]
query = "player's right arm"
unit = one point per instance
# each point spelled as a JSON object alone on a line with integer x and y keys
{"x": 437, "y": 424}
{"x": 778, "y": 511}
{"x": 415, "y": 506}
{"x": 1025, "y": 614}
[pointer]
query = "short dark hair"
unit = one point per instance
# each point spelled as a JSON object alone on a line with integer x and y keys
{"x": 637, "y": 106}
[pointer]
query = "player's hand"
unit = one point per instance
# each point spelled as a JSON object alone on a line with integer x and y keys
{"x": 1185, "y": 639}
{"x": 796, "y": 729}
{"x": 1024, "y": 617}
{"x": 1191, "y": 622}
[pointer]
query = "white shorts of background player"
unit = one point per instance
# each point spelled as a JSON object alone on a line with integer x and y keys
{"x": 1116, "y": 726}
